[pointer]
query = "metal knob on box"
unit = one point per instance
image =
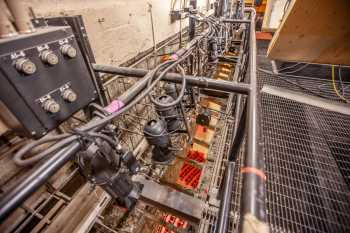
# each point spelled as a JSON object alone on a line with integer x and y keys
{"x": 25, "y": 66}
{"x": 69, "y": 95}
{"x": 68, "y": 50}
{"x": 51, "y": 106}
{"x": 49, "y": 57}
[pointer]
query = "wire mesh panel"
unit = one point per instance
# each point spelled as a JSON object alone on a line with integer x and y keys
{"x": 307, "y": 154}
{"x": 237, "y": 192}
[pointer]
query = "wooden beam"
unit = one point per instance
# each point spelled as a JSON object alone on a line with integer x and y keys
{"x": 315, "y": 31}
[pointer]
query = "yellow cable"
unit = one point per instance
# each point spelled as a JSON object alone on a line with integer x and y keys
{"x": 335, "y": 87}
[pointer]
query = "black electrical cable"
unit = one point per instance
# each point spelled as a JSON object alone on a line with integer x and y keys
{"x": 341, "y": 80}
{"x": 180, "y": 96}
{"x": 20, "y": 159}
{"x": 296, "y": 70}
{"x": 288, "y": 67}
{"x": 19, "y": 156}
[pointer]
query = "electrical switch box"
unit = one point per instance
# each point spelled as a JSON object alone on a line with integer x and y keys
{"x": 44, "y": 79}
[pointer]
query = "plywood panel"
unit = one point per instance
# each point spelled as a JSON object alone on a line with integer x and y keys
{"x": 315, "y": 31}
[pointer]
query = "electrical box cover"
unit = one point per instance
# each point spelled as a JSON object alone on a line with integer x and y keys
{"x": 44, "y": 79}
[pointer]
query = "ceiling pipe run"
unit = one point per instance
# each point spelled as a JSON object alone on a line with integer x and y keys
{"x": 6, "y": 27}
{"x": 21, "y": 16}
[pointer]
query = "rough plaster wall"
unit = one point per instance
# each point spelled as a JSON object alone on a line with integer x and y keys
{"x": 117, "y": 29}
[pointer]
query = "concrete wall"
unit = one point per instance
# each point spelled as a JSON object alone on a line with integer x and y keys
{"x": 117, "y": 29}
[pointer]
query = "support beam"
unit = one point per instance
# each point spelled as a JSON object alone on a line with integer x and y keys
{"x": 223, "y": 9}
{"x": 303, "y": 98}
{"x": 225, "y": 203}
{"x": 192, "y": 21}
{"x": 202, "y": 82}
{"x": 253, "y": 212}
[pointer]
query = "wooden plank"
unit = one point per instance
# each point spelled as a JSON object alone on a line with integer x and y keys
{"x": 314, "y": 31}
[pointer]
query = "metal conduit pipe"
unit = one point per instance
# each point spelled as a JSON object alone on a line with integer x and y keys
{"x": 225, "y": 204}
{"x": 202, "y": 82}
{"x": 223, "y": 8}
{"x": 238, "y": 21}
{"x": 192, "y": 23}
{"x": 253, "y": 211}
{"x": 6, "y": 27}
{"x": 238, "y": 135}
{"x": 192, "y": 29}
{"x": 21, "y": 16}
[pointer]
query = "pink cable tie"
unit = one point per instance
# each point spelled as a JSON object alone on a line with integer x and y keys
{"x": 114, "y": 106}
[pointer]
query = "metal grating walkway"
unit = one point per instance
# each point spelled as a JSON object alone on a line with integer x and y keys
{"x": 307, "y": 155}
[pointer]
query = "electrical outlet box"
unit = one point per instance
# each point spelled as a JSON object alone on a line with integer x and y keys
{"x": 44, "y": 79}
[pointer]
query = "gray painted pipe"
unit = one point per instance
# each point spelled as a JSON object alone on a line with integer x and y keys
{"x": 253, "y": 186}
{"x": 202, "y": 82}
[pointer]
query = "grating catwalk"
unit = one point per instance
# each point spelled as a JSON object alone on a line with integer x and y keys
{"x": 307, "y": 155}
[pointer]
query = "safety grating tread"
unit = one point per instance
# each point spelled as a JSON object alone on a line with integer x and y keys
{"x": 307, "y": 156}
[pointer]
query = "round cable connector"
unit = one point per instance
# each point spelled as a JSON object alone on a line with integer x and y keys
{"x": 25, "y": 66}
{"x": 51, "y": 106}
{"x": 49, "y": 57}
{"x": 68, "y": 51}
{"x": 69, "y": 95}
